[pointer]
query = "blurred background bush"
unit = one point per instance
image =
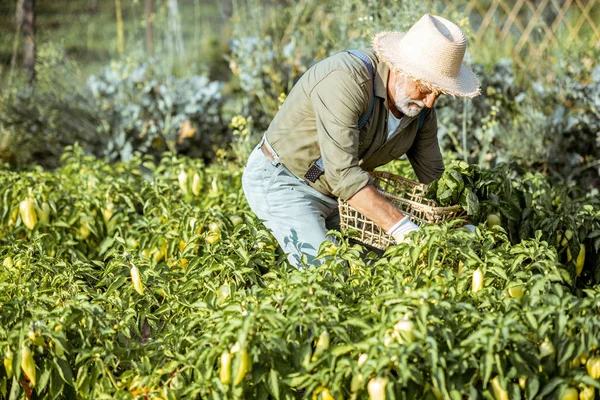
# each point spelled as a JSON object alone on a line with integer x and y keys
{"x": 152, "y": 76}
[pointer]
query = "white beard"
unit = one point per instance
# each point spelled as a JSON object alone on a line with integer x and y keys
{"x": 406, "y": 105}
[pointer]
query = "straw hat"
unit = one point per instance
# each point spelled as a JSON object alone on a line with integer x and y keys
{"x": 431, "y": 53}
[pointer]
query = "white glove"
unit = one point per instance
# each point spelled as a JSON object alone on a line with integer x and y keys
{"x": 470, "y": 228}
{"x": 401, "y": 229}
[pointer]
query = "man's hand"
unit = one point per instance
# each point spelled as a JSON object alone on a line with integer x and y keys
{"x": 401, "y": 229}
{"x": 370, "y": 203}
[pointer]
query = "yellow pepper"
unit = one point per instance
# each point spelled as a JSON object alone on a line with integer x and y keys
{"x": 570, "y": 394}
{"x": 499, "y": 392}
{"x": 326, "y": 394}
{"x": 182, "y": 178}
{"x": 137, "y": 280}
{"x": 108, "y": 212}
{"x": 8, "y": 360}
{"x": 587, "y": 393}
{"x": 580, "y": 260}
{"x": 403, "y": 331}
{"x": 27, "y": 211}
{"x": 84, "y": 227}
{"x": 516, "y": 292}
{"x": 322, "y": 345}
{"x": 362, "y": 359}
{"x": 43, "y": 213}
{"x": 546, "y": 348}
{"x": 28, "y": 364}
{"x": 244, "y": 366}
{"x": 225, "y": 373}
{"x": 376, "y": 388}
{"x": 196, "y": 185}
{"x": 522, "y": 382}
{"x": 593, "y": 367}
{"x": 13, "y": 217}
{"x": 8, "y": 263}
{"x": 477, "y": 283}
{"x": 38, "y": 340}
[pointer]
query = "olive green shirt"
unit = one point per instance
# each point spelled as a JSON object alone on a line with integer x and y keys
{"x": 320, "y": 117}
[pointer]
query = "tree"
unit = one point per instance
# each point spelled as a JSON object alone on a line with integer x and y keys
{"x": 120, "y": 39}
{"x": 18, "y": 23}
{"x": 28, "y": 23}
{"x": 149, "y": 18}
{"x": 25, "y": 25}
{"x": 175, "y": 33}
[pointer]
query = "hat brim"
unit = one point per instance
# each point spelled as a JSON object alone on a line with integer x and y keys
{"x": 466, "y": 84}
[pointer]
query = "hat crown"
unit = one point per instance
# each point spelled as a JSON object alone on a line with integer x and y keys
{"x": 430, "y": 53}
{"x": 435, "y": 43}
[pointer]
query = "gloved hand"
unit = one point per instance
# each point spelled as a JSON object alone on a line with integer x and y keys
{"x": 401, "y": 229}
{"x": 470, "y": 227}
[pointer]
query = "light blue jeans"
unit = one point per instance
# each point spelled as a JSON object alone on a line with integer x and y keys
{"x": 297, "y": 215}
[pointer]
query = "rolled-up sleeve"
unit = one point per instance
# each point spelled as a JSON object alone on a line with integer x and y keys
{"x": 425, "y": 155}
{"x": 338, "y": 102}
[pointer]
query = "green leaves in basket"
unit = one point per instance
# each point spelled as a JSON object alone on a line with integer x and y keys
{"x": 448, "y": 189}
{"x": 453, "y": 188}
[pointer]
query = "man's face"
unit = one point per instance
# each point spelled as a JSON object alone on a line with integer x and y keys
{"x": 410, "y": 97}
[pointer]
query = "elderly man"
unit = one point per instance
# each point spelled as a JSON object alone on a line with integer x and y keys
{"x": 348, "y": 114}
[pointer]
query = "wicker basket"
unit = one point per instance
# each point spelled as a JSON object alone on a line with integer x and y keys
{"x": 408, "y": 196}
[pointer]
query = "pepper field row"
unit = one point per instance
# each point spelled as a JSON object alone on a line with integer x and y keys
{"x": 143, "y": 280}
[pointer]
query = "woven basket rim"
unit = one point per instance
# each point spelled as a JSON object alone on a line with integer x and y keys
{"x": 376, "y": 174}
{"x": 424, "y": 213}
{"x": 416, "y": 204}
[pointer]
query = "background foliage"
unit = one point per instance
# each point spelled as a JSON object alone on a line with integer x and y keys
{"x": 545, "y": 120}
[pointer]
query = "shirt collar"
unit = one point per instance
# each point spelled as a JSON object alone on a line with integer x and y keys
{"x": 381, "y": 79}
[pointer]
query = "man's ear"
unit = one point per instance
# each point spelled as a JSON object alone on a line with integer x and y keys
{"x": 399, "y": 78}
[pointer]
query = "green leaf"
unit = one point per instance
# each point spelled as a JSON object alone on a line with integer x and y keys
{"x": 64, "y": 370}
{"x": 533, "y": 386}
{"x": 432, "y": 257}
{"x": 297, "y": 380}
{"x": 445, "y": 197}
{"x": 44, "y": 376}
{"x": 342, "y": 349}
{"x": 105, "y": 245}
{"x": 551, "y": 386}
{"x": 566, "y": 354}
{"x": 274, "y": 379}
{"x": 588, "y": 380}
{"x": 15, "y": 389}
{"x": 488, "y": 365}
{"x": 594, "y": 234}
{"x": 471, "y": 203}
